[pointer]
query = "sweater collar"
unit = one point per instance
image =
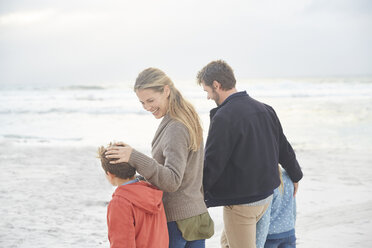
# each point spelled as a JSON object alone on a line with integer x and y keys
{"x": 229, "y": 98}
{"x": 164, "y": 122}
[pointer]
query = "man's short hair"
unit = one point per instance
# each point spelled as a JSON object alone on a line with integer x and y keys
{"x": 120, "y": 170}
{"x": 218, "y": 71}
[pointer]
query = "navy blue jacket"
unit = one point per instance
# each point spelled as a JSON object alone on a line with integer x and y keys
{"x": 245, "y": 144}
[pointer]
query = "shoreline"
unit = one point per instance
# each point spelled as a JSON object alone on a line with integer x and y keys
{"x": 57, "y": 195}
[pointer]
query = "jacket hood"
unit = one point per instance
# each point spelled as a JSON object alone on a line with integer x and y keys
{"x": 141, "y": 194}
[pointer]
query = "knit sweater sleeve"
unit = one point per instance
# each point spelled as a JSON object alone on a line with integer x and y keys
{"x": 174, "y": 144}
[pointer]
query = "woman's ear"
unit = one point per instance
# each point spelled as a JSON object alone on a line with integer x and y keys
{"x": 166, "y": 90}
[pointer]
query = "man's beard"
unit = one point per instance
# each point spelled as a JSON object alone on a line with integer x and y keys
{"x": 216, "y": 97}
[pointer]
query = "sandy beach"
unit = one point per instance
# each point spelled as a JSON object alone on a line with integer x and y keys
{"x": 56, "y": 197}
{"x": 53, "y": 192}
{"x": 67, "y": 75}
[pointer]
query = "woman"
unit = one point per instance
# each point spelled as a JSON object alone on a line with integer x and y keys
{"x": 177, "y": 163}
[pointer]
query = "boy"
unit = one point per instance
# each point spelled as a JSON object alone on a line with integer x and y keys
{"x": 135, "y": 215}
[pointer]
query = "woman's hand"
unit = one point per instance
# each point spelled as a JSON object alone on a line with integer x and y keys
{"x": 120, "y": 151}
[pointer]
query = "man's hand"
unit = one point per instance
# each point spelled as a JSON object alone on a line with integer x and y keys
{"x": 295, "y": 185}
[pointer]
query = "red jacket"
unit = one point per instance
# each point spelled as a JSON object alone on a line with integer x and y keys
{"x": 136, "y": 218}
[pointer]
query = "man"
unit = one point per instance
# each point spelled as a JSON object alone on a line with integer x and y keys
{"x": 244, "y": 146}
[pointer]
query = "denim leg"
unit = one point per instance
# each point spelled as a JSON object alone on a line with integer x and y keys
{"x": 175, "y": 237}
{"x": 289, "y": 242}
{"x": 272, "y": 243}
{"x": 196, "y": 244}
{"x": 177, "y": 241}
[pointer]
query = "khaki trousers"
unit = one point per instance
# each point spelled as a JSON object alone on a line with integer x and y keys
{"x": 240, "y": 225}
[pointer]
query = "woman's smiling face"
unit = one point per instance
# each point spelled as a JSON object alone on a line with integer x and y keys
{"x": 154, "y": 101}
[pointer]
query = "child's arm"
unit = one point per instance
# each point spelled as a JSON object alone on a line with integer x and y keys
{"x": 120, "y": 222}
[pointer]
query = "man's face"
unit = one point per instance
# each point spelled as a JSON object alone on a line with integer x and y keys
{"x": 211, "y": 94}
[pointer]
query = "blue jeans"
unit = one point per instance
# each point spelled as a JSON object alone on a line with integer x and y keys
{"x": 289, "y": 242}
{"x": 177, "y": 241}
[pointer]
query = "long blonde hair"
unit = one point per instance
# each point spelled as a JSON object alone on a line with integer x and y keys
{"x": 178, "y": 107}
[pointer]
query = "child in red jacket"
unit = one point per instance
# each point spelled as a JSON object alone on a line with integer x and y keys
{"x": 135, "y": 215}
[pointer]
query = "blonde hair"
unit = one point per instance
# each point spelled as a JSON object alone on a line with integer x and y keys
{"x": 178, "y": 107}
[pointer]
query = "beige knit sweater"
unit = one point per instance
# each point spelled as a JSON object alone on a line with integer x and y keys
{"x": 174, "y": 169}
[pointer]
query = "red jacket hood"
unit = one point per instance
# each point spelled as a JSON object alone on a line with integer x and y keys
{"x": 141, "y": 194}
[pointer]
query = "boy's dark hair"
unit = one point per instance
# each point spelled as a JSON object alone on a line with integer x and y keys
{"x": 121, "y": 170}
{"x": 218, "y": 71}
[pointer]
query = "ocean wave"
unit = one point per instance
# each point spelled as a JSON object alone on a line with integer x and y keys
{"x": 90, "y": 98}
{"x": 315, "y": 94}
{"x": 75, "y": 111}
{"x": 83, "y": 87}
{"x": 29, "y": 137}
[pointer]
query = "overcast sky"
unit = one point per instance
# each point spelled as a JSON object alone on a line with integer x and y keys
{"x": 90, "y": 41}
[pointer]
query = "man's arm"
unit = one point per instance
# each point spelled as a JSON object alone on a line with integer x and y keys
{"x": 287, "y": 156}
{"x": 217, "y": 151}
{"x": 295, "y": 188}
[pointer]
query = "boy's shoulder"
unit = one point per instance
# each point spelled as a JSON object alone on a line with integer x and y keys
{"x": 137, "y": 198}
{"x": 137, "y": 194}
{"x": 123, "y": 195}
{"x": 117, "y": 199}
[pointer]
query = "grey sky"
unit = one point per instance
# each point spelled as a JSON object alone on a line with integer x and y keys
{"x": 86, "y": 41}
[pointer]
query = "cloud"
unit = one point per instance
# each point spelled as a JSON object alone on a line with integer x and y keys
{"x": 90, "y": 41}
{"x": 25, "y": 18}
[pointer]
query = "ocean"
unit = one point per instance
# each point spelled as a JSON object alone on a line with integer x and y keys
{"x": 53, "y": 191}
